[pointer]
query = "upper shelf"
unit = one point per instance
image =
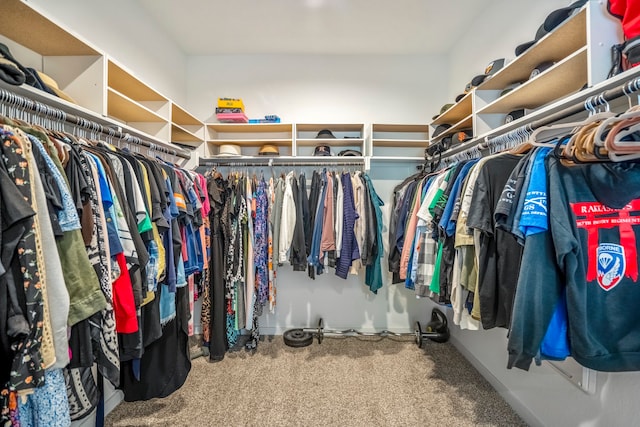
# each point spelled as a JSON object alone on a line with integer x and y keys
{"x": 182, "y": 117}
{"x": 184, "y": 136}
{"x": 127, "y": 84}
{"x": 399, "y": 135}
{"x": 457, "y": 112}
{"x": 464, "y": 123}
{"x": 342, "y": 127}
{"x": 337, "y": 142}
{"x": 250, "y": 127}
{"x": 48, "y": 39}
{"x": 123, "y": 108}
{"x": 565, "y": 77}
{"x": 250, "y": 134}
{"x": 569, "y": 37}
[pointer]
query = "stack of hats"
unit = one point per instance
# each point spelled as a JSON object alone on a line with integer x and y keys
{"x": 14, "y": 73}
{"x": 553, "y": 20}
{"x": 324, "y": 149}
{"x": 231, "y": 110}
{"x": 493, "y": 67}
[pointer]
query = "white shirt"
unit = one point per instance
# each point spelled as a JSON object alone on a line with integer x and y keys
{"x": 288, "y": 220}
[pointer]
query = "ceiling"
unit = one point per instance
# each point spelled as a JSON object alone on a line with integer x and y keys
{"x": 209, "y": 27}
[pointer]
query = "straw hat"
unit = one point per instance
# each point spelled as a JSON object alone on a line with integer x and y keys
{"x": 269, "y": 150}
{"x": 53, "y": 85}
{"x": 229, "y": 150}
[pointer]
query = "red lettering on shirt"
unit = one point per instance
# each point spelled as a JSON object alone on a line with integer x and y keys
{"x": 593, "y": 216}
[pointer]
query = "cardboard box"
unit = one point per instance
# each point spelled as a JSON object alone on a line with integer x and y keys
{"x": 230, "y": 103}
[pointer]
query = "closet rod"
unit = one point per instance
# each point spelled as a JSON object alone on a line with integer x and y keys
{"x": 22, "y": 102}
{"x": 274, "y": 162}
{"x": 592, "y": 102}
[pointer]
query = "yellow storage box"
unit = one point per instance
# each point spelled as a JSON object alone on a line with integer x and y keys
{"x": 230, "y": 103}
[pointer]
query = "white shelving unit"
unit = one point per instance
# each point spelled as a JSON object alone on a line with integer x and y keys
{"x": 578, "y": 47}
{"x": 104, "y": 91}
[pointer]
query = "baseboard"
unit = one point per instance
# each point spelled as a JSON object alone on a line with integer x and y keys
{"x": 521, "y": 409}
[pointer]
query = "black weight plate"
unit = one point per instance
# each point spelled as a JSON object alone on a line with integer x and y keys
{"x": 297, "y": 338}
{"x": 418, "y": 332}
{"x": 320, "y": 331}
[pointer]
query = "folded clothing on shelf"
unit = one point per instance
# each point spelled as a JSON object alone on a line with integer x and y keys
{"x": 272, "y": 118}
{"x": 232, "y": 118}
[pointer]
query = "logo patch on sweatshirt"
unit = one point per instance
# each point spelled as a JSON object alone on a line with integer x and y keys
{"x": 611, "y": 265}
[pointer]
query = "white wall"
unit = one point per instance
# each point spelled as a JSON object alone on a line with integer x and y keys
{"x": 319, "y": 88}
{"x": 123, "y": 30}
{"x": 330, "y": 89}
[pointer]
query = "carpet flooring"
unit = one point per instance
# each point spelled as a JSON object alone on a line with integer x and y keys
{"x": 341, "y": 382}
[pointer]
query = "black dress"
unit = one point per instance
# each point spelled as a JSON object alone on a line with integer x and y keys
{"x": 218, "y": 339}
{"x": 162, "y": 372}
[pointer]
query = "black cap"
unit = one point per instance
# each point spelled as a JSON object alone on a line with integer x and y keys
{"x": 558, "y": 16}
{"x": 350, "y": 153}
{"x": 493, "y": 67}
{"x": 520, "y": 49}
{"x": 325, "y": 133}
{"x": 445, "y": 143}
{"x": 550, "y": 23}
{"x": 514, "y": 115}
{"x": 509, "y": 88}
{"x": 459, "y": 97}
{"x": 440, "y": 129}
{"x": 541, "y": 68}
{"x": 322, "y": 150}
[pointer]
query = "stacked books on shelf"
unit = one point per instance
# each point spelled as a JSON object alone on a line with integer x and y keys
{"x": 231, "y": 110}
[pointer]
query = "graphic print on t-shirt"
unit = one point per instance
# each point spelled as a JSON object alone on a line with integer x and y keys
{"x": 609, "y": 263}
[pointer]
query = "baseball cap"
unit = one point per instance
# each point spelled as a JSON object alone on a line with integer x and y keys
{"x": 444, "y": 108}
{"x": 461, "y": 136}
{"x": 325, "y": 133}
{"x": 551, "y": 22}
{"x": 493, "y": 67}
{"x": 514, "y": 115}
{"x": 440, "y": 129}
{"x": 322, "y": 150}
{"x": 350, "y": 153}
{"x": 445, "y": 143}
{"x": 541, "y": 68}
{"x": 509, "y": 88}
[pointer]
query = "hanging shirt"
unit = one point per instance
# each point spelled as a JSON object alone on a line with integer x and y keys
{"x": 339, "y": 214}
{"x": 373, "y": 273}
{"x": 360, "y": 226}
{"x": 499, "y": 259}
{"x": 288, "y": 222}
{"x": 350, "y": 249}
{"x": 328, "y": 239}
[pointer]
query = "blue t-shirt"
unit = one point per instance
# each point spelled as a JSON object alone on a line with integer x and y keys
{"x": 534, "y": 213}
{"x": 534, "y": 219}
{"x": 446, "y": 222}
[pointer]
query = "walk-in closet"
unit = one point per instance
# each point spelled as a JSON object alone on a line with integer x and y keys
{"x": 319, "y": 213}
